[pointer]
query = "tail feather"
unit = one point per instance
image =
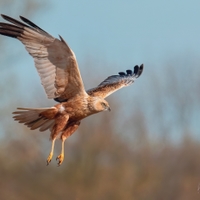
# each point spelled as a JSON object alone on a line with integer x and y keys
{"x": 48, "y": 125}
{"x": 36, "y": 124}
{"x": 33, "y": 117}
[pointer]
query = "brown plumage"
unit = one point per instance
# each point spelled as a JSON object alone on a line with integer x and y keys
{"x": 60, "y": 76}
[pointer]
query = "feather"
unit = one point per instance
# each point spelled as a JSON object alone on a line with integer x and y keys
{"x": 116, "y": 82}
{"x": 51, "y": 56}
{"x": 34, "y": 117}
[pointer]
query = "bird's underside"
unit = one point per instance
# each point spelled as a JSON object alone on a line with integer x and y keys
{"x": 60, "y": 76}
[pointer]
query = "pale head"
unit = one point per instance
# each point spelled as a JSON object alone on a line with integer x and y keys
{"x": 99, "y": 104}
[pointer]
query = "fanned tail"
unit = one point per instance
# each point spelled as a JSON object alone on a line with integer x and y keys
{"x": 42, "y": 118}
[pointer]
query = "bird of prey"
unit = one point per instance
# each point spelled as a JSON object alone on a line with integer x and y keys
{"x": 58, "y": 69}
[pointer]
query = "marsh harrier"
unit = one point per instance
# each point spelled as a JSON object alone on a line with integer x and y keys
{"x": 59, "y": 73}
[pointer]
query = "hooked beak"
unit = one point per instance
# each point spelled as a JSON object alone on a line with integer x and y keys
{"x": 109, "y": 109}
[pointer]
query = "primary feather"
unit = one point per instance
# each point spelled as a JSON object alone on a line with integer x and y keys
{"x": 54, "y": 60}
{"x": 116, "y": 82}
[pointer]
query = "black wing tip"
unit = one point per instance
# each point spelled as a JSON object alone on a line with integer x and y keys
{"x": 137, "y": 71}
{"x": 6, "y": 17}
{"x": 3, "y": 15}
{"x": 129, "y": 72}
{"x": 23, "y": 18}
{"x": 122, "y": 73}
{"x": 136, "y": 68}
{"x": 141, "y": 69}
{"x": 27, "y": 21}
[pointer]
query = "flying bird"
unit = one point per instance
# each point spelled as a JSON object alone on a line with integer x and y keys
{"x": 58, "y": 69}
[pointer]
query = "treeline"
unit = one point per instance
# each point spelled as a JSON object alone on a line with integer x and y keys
{"x": 99, "y": 164}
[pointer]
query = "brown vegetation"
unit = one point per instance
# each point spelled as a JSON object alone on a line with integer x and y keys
{"x": 100, "y": 165}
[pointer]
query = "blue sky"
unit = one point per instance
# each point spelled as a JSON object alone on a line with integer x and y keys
{"x": 122, "y": 33}
{"x": 126, "y": 32}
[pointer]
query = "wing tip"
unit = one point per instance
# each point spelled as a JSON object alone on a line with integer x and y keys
{"x": 141, "y": 68}
{"x": 138, "y": 70}
{"x": 4, "y": 16}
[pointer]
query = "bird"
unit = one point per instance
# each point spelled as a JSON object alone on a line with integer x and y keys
{"x": 59, "y": 73}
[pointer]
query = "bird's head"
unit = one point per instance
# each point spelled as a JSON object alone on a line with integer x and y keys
{"x": 100, "y": 104}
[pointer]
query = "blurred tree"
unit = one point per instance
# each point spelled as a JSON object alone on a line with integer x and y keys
{"x": 170, "y": 99}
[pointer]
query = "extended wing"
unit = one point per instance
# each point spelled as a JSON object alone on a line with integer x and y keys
{"x": 54, "y": 60}
{"x": 116, "y": 82}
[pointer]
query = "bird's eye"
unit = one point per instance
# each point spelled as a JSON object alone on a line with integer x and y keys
{"x": 103, "y": 104}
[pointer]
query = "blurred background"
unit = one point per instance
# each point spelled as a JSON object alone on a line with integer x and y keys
{"x": 148, "y": 147}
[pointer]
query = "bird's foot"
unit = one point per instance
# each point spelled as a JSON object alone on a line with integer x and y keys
{"x": 49, "y": 158}
{"x": 60, "y": 159}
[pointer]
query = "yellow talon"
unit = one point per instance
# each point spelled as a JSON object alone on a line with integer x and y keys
{"x": 60, "y": 159}
{"x": 51, "y": 152}
{"x": 49, "y": 158}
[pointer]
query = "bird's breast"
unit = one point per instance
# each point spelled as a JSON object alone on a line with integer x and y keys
{"x": 76, "y": 110}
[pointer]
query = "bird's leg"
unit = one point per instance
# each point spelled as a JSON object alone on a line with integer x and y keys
{"x": 60, "y": 157}
{"x": 51, "y": 152}
{"x": 71, "y": 128}
{"x": 60, "y": 123}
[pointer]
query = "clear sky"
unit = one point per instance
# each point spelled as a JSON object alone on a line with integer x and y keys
{"x": 126, "y": 32}
{"x": 122, "y": 33}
